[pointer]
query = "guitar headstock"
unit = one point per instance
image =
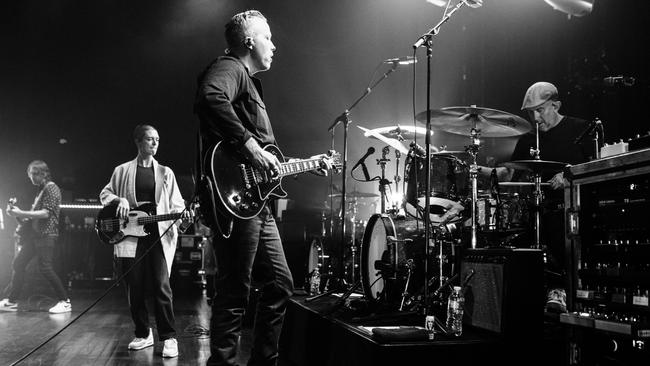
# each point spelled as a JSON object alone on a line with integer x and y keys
{"x": 333, "y": 159}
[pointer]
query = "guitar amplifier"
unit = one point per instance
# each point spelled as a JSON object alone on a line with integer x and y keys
{"x": 506, "y": 292}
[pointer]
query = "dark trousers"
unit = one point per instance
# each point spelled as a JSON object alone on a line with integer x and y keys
{"x": 150, "y": 277}
{"x": 253, "y": 250}
{"x": 43, "y": 250}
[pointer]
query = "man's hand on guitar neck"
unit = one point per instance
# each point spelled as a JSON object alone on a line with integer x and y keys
{"x": 260, "y": 158}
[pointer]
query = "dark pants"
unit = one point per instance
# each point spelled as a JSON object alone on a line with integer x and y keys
{"x": 43, "y": 249}
{"x": 150, "y": 277}
{"x": 253, "y": 243}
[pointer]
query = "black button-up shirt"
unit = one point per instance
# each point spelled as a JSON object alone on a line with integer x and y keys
{"x": 229, "y": 105}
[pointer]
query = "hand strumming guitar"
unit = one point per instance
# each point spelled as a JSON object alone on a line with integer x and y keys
{"x": 260, "y": 158}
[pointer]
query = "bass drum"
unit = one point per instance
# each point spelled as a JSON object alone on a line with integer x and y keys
{"x": 390, "y": 251}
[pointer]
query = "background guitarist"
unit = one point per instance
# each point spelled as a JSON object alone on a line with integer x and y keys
{"x": 229, "y": 104}
{"x": 133, "y": 183}
{"x": 39, "y": 234}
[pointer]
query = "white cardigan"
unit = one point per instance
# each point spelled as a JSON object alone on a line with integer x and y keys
{"x": 168, "y": 200}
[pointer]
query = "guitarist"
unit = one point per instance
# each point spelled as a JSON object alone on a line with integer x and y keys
{"x": 38, "y": 238}
{"x": 135, "y": 182}
{"x": 230, "y": 107}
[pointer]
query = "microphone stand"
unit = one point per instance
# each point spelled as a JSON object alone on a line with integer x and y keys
{"x": 344, "y": 118}
{"x": 427, "y": 39}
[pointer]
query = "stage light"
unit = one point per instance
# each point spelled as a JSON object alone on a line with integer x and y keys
{"x": 576, "y": 8}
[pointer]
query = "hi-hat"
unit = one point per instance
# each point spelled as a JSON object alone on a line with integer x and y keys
{"x": 490, "y": 122}
{"x": 536, "y": 166}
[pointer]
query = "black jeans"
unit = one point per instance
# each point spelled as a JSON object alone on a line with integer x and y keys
{"x": 43, "y": 249}
{"x": 254, "y": 243}
{"x": 150, "y": 276}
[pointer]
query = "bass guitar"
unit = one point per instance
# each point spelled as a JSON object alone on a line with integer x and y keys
{"x": 24, "y": 228}
{"x": 113, "y": 230}
{"x": 242, "y": 191}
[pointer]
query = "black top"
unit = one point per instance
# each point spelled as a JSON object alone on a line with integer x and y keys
{"x": 557, "y": 144}
{"x": 229, "y": 105}
{"x": 145, "y": 184}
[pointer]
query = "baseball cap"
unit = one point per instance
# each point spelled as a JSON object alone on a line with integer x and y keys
{"x": 539, "y": 93}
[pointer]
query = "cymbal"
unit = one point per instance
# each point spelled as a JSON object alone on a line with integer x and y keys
{"x": 460, "y": 154}
{"x": 354, "y": 194}
{"x": 521, "y": 184}
{"x": 491, "y": 122}
{"x": 394, "y": 143}
{"x": 536, "y": 166}
{"x": 402, "y": 133}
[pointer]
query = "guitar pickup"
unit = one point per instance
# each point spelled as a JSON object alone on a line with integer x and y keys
{"x": 244, "y": 176}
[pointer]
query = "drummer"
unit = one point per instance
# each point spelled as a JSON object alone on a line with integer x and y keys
{"x": 557, "y": 136}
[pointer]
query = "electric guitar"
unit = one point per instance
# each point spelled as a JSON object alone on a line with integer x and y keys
{"x": 24, "y": 228}
{"x": 242, "y": 191}
{"x": 113, "y": 230}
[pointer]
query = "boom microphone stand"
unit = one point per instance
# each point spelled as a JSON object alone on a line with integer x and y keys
{"x": 344, "y": 119}
{"x": 427, "y": 39}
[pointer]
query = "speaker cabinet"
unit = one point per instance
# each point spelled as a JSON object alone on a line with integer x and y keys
{"x": 506, "y": 292}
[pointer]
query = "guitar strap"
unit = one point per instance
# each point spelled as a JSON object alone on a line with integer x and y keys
{"x": 204, "y": 191}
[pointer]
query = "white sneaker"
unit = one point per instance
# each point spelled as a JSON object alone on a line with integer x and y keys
{"x": 140, "y": 343}
{"x": 170, "y": 349}
{"x": 6, "y": 305}
{"x": 62, "y": 306}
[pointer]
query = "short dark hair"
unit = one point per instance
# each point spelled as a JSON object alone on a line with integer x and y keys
{"x": 138, "y": 132}
{"x": 236, "y": 27}
{"x": 41, "y": 169}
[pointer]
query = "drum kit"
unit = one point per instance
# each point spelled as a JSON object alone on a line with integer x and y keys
{"x": 394, "y": 259}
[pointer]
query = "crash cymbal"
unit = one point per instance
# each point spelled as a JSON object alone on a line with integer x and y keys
{"x": 491, "y": 122}
{"x": 536, "y": 166}
{"x": 354, "y": 194}
{"x": 402, "y": 133}
{"x": 394, "y": 143}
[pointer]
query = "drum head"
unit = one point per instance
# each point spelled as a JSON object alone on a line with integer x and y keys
{"x": 374, "y": 245}
{"x": 440, "y": 210}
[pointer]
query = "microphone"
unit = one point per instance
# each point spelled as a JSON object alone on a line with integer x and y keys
{"x": 592, "y": 126}
{"x": 371, "y": 150}
{"x": 406, "y": 60}
{"x": 619, "y": 80}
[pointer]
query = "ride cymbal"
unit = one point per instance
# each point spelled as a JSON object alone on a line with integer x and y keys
{"x": 536, "y": 166}
{"x": 490, "y": 122}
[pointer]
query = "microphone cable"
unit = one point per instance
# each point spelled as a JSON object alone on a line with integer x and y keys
{"x": 115, "y": 283}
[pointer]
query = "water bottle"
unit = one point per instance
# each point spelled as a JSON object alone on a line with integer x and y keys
{"x": 314, "y": 282}
{"x": 455, "y": 311}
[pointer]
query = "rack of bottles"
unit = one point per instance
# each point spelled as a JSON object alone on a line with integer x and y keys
{"x": 608, "y": 242}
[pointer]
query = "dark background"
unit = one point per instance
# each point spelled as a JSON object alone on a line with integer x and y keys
{"x": 77, "y": 76}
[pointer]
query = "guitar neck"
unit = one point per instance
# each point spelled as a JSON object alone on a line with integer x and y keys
{"x": 298, "y": 166}
{"x": 156, "y": 218}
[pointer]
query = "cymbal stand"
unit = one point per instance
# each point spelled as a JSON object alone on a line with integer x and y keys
{"x": 344, "y": 118}
{"x": 427, "y": 39}
{"x": 537, "y": 178}
{"x": 472, "y": 149}
{"x": 353, "y": 246}
{"x": 383, "y": 182}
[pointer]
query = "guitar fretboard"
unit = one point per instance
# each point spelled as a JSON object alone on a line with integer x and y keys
{"x": 300, "y": 166}
{"x": 155, "y": 218}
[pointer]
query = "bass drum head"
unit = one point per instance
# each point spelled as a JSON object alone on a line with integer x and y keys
{"x": 374, "y": 245}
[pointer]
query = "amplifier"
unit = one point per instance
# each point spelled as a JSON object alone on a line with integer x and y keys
{"x": 506, "y": 293}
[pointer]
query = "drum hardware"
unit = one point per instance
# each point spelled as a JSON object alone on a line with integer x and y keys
{"x": 383, "y": 182}
{"x": 537, "y": 167}
{"x": 344, "y": 119}
{"x": 405, "y": 294}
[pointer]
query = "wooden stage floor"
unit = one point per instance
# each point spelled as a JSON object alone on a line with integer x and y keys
{"x": 101, "y": 335}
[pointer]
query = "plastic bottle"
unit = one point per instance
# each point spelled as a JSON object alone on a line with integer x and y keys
{"x": 455, "y": 308}
{"x": 314, "y": 282}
